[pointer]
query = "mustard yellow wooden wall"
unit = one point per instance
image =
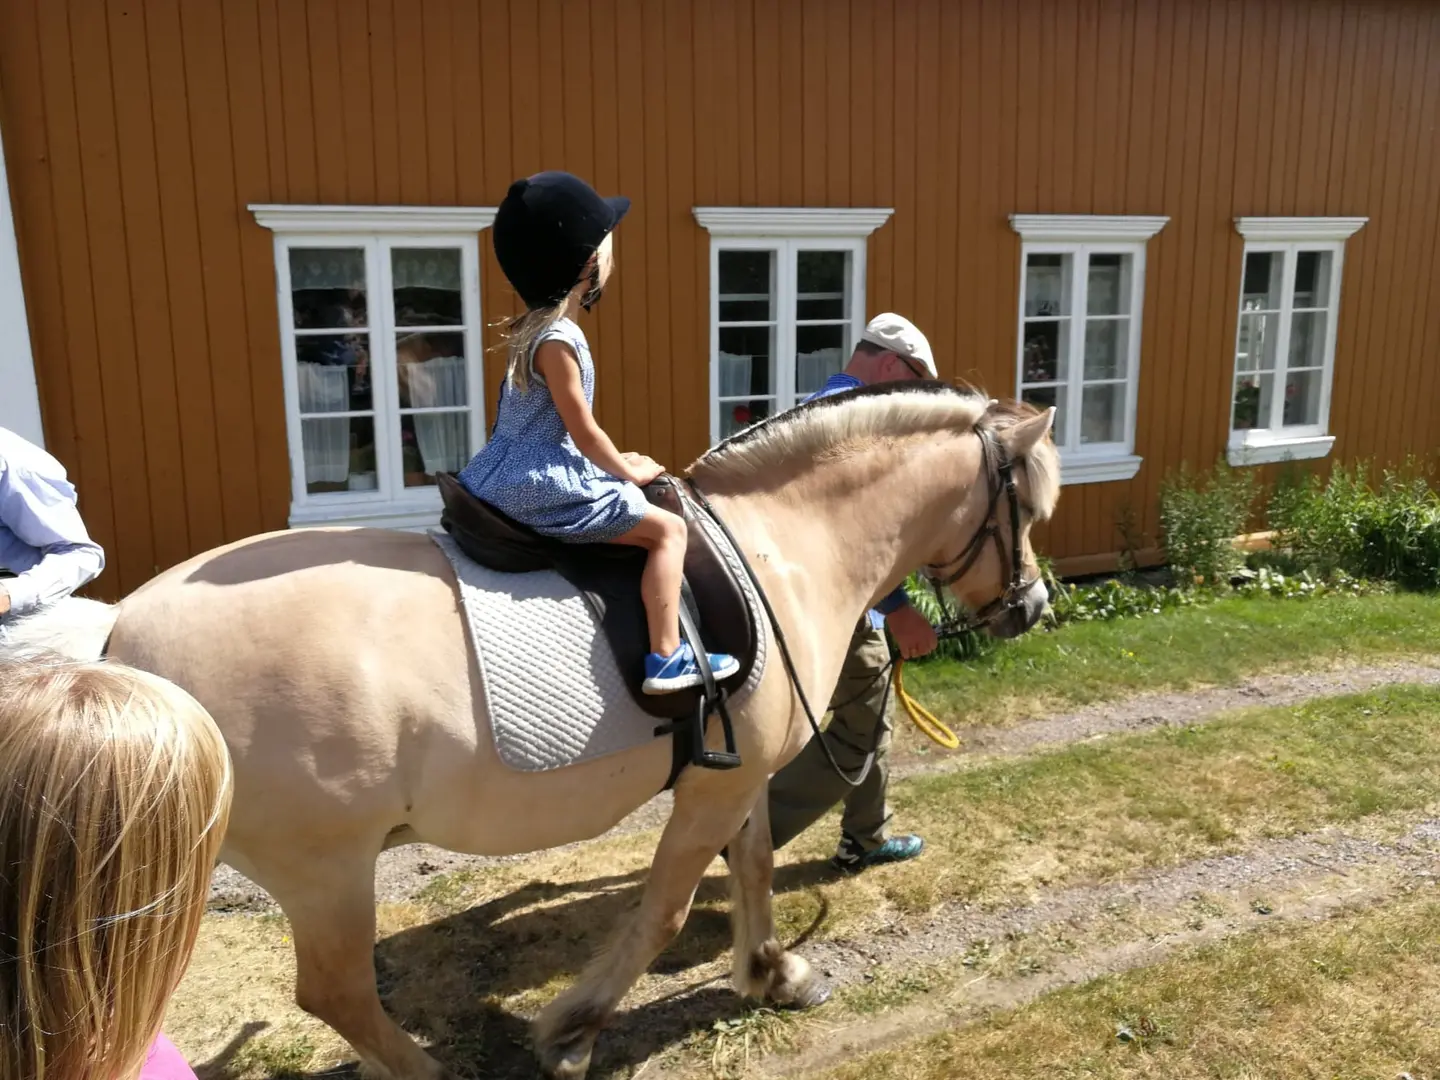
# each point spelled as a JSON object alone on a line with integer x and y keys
{"x": 136, "y": 131}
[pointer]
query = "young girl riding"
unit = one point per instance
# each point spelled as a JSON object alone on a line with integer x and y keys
{"x": 548, "y": 464}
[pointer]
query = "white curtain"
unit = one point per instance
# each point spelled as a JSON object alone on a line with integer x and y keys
{"x": 734, "y": 375}
{"x": 325, "y": 388}
{"x": 813, "y": 368}
{"x": 444, "y": 438}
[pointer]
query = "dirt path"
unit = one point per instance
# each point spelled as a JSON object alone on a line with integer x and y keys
{"x": 402, "y": 872}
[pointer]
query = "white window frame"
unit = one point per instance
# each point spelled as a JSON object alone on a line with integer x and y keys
{"x": 785, "y": 231}
{"x": 1289, "y": 236}
{"x": 1080, "y": 236}
{"x": 376, "y": 230}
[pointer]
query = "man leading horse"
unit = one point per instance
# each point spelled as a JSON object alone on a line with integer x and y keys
{"x": 891, "y": 349}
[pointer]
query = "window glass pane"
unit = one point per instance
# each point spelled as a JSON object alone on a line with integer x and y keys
{"x": 1312, "y": 279}
{"x": 1102, "y": 413}
{"x": 1043, "y": 398}
{"x": 1307, "y": 339}
{"x": 1252, "y": 402}
{"x": 327, "y": 287}
{"x": 1264, "y": 281}
{"x": 432, "y": 443}
{"x": 1047, "y": 351}
{"x": 820, "y": 351}
{"x": 431, "y": 370}
{"x": 822, "y": 278}
{"x": 1302, "y": 398}
{"x": 334, "y": 372}
{"x": 747, "y": 361}
{"x": 1257, "y": 341}
{"x": 339, "y": 454}
{"x": 747, "y": 286}
{"x": 429, "y": 286}
{"x": 1047, "y": 285}
{"x": 1108, "y": 285}
{"x": 738, "y": 415}
{"x": 1107, "y": 343}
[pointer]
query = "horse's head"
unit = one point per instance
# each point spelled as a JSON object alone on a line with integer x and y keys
{"x": 986, "y": 558}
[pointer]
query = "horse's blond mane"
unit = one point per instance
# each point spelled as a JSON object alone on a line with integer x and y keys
{"x": 803, "y": 433}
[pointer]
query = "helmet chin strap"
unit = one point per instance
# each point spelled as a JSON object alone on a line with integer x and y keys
{"x": 596, "y": 290}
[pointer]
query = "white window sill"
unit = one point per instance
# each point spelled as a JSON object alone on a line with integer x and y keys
{"x": 1098, "y": 470}
{"x": 1303, "y": 448}
{"x": 411, "y": 517}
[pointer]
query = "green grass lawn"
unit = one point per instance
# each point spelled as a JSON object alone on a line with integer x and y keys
{"x": 1213, "y": 644}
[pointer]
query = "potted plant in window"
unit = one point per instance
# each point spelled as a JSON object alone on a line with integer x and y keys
{"x": 362, "y": 469}
{"x": 1247, "y": 405}
{"x": 414, "y": 463}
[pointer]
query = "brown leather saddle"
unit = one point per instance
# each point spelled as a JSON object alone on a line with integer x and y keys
{"x": 714, "y": 607}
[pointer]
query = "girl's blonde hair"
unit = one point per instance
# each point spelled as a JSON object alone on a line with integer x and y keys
{"x": 114, "y": 795}
{"x": 519, "y": 335}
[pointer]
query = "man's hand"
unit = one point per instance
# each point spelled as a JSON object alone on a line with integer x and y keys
{"x": 912, "y": 632}
{"x": 4, "y": 600}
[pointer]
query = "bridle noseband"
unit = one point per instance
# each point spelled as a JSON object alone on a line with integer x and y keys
{"x": 1013, "y": 596}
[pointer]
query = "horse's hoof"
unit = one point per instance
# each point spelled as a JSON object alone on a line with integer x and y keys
{"x": 569, "y": 1060}
{"x": 812, "y": 995}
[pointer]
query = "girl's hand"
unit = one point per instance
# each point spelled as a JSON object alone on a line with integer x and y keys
{"x": 643, "y": 470}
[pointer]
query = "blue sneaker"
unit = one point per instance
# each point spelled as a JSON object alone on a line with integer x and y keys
{"x": 852, "y": 858}
{"x": 678, "y": 671}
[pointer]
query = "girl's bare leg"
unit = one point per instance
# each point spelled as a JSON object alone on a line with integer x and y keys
{"x": 663, "y": 535}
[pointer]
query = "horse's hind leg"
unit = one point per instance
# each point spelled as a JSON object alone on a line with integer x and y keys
{"x": 762, "y": 968}
{"x": 699, "y": 826}
{"x": 330, "y": 902}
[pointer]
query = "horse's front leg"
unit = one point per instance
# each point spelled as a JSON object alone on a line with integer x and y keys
{"x": 762, "y": 968}
{"x": 709, "y": 810}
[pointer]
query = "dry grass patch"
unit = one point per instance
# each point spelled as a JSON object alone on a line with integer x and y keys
{"x": 1007, "y": 830}
{"x": 476, "y": 952}
{"x": 1351, "y": 997}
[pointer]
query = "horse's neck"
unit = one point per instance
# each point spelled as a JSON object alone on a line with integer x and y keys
{"x": 842, "y": 532}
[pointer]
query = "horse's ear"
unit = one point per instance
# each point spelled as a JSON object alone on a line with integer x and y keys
{"x": 1026, "y": 435}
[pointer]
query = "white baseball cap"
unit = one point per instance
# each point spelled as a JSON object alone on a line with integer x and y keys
{"x": 902, "y": 337}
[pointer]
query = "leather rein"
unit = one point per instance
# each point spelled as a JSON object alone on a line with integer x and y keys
{"x": 1000, "y": 480}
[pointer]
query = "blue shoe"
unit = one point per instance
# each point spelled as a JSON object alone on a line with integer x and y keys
{"x": 678, "y": 671}
{"x": 852, "y": 858}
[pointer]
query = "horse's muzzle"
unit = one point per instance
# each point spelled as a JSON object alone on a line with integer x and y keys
{"x": 1022, "y": 617}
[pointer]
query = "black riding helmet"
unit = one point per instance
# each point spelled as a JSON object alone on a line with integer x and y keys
{"x": 546, "y": 229}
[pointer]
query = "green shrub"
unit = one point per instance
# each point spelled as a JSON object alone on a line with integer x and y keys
{"x": 1387, "y": 533}
{"x": 1200, "y": 516}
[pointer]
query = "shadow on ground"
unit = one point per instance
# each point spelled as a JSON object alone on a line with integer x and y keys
{"x": 442, "y": 981}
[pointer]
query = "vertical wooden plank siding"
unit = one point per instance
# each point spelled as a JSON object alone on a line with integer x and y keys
{"x": 137, "y": 134}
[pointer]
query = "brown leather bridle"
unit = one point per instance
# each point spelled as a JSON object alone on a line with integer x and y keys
{"x": 1000, "y": 478}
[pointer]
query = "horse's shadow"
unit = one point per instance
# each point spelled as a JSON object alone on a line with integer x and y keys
{"x": 461, "y": 983}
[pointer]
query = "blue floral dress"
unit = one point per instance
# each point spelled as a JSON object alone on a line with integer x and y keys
{"x": 532, "y": 470}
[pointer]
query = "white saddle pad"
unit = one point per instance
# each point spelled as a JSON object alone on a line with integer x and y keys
{"x": 549, "y": 680}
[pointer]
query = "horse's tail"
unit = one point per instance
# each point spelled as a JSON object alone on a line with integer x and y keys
{"x": 74, "y": 628}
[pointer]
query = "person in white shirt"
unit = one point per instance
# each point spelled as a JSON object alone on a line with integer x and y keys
{"x": 45, "y": 551}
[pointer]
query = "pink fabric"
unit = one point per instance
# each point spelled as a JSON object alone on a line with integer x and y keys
{"x": 165, "y": 1063}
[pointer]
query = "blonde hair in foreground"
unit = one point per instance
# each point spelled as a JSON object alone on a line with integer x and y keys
{"x": 114, "y": 795}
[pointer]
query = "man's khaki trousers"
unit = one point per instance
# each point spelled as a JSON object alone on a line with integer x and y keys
{"x": 804, "y": 791}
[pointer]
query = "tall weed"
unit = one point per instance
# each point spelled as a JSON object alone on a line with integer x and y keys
{"x": 1200, "y": 516}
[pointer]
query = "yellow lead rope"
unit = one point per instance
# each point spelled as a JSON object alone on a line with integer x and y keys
{"x": 922, "y": 717}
